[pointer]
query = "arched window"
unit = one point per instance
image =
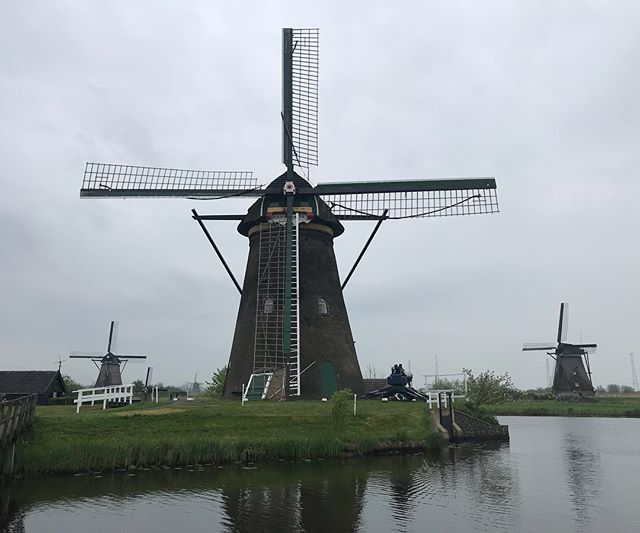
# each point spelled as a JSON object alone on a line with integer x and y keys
{"x": 322, "y": 306}
{"x": 268, "y": 305}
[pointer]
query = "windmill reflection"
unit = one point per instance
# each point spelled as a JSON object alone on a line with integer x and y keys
{"x": 314, "y": 499}
{"x": 584, "y": 475}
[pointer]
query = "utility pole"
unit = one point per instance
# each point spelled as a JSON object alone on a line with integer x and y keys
{"x": 634, "y": 376}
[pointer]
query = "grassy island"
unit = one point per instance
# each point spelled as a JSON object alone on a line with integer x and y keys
{"x": 605, "y": 407}
{"x": 148, "y": 435}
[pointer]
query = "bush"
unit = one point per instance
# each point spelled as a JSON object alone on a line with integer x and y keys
{"x": 487, "y": 387}
{"x": 64, "y": 400}
{"x": 341, "y": 407}
{"x": 215, "y": 387}
{"x": 434, "y": 441}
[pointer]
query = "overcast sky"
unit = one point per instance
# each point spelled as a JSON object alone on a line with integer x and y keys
{"x": 541, "y": 95}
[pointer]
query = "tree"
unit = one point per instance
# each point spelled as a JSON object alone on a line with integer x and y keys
{"x": 216, "y": 385}
{"x": 487, "y": 387}
{"x": 626, "y": 388}
{"x": 456, "y": 385}
{"x": 612, "y": 387}
{"x": 71, "y": 384}
{"x": 138, "y": 387}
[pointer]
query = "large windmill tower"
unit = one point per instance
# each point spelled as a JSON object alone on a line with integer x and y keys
{"x": 292, "y": 335}
{"x": 570, "y": 377}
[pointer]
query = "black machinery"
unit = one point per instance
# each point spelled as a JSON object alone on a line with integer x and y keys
{"x": 398, "y": 387}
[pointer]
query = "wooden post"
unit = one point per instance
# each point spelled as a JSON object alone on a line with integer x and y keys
{"x": 355, "y": 396}
{"x": 12, "y": 460}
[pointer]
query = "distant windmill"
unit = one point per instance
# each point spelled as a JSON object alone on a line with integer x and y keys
{"x": 110, "y": 371}
{"x": 570, "y": 378}
{"x": 292, "y": 326}
{"x": 147, "y": 391}
{"x": 195, "y": 386}
{"x": 60, "y": 361}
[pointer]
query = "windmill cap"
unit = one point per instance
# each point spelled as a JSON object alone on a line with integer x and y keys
{"x": 305, "y": 199}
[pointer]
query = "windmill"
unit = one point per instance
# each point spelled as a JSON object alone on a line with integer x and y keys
{"x": 195, "y": 386}
{"x": 109, "y": 370}
{"x": 147, "y": 390}
{"x": 60, "y": 361}
{"x": 570, "y": 377}
{"x": 292, "y": 334}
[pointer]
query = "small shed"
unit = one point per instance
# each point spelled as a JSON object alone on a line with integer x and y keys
{"x": 374, "y": 384}
{"x": 45, "y": 383}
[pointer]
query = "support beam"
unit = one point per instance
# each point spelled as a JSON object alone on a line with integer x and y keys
{"x": 373, "y": 234}
{"x": 196, "y": 217}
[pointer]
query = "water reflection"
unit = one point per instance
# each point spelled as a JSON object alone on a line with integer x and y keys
{"x": 583, "y": 473}
{"x": 319, "y": 497}
{"x": 572, "y": 474}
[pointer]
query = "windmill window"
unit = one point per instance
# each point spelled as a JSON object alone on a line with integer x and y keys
{"x": 322, "y": 306}
{"x": 268, "y": 306}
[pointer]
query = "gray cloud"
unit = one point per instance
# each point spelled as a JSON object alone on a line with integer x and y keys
{"x": 541, "y": 96}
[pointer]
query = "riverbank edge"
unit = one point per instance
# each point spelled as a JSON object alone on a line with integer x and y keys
{"x": 214, "y": 432}
{"x": 601, "y": 409}
{"x": 242, "y": 453}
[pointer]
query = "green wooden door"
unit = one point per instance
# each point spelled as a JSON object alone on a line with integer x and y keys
{"x": 328, "y": 379}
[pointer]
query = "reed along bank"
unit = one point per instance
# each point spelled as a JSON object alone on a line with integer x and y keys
{"x": 174, "y": 434}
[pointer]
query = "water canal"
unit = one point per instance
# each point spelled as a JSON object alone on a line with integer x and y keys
{"x": 556, "y": 474}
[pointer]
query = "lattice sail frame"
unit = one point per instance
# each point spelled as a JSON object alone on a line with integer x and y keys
{"x": 417, "y": 204}
{"x": 102, "y": 180}
{"x": 300, "y": 75}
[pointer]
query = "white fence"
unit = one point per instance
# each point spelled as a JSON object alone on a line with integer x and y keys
{"x": 433, "y": 397}
{"x": 111, "y": 394}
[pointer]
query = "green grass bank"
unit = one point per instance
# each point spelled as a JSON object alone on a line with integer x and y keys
{"x": 605, "y": 407}
{"x": 206, "y": 432}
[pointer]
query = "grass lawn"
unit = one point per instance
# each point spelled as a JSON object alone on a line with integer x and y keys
{"x": 607, "y": 407}
{"x": 168, "y": 434}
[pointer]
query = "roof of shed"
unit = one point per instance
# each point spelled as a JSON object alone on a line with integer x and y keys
{"x": 374, "y": 384}
{"x": 28, "y": 381}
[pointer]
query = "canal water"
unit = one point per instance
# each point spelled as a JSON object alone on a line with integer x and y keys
{"x": 556, "y": 474}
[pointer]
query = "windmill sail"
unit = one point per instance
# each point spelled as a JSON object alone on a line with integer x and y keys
{"x": 112, "y": 347}
{"x": 530, "y": 346}
{"x": 107, "y": 180}
{"x": 410, "y": 198}
{"x": 563, "y": 322}
{"x": 300, "y": 72}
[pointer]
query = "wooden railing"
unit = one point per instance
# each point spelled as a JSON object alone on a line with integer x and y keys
{"x": 15, "y": 417}
{"x": 437, "y": 397}
{"x": 112, "y": 394}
